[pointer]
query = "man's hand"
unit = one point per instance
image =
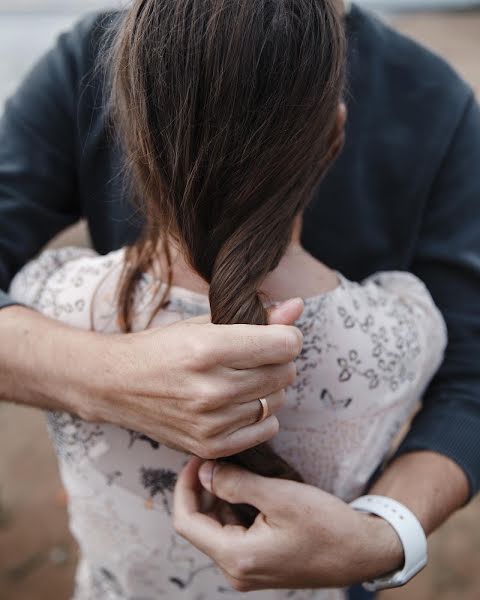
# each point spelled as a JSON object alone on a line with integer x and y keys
{"x": 192, "y": 385}
{"x": 302, "y": 538}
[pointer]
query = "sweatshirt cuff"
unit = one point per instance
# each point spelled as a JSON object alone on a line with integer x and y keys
{"x": 451, "y": 434}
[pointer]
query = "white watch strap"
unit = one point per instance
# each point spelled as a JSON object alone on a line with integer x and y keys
{"x": 409, "y": 531}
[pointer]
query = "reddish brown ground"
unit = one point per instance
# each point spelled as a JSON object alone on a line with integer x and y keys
{"x": 37, "y": 555}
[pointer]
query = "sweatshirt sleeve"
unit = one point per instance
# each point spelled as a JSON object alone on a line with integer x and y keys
{"x": 38, "y": 153}
{"x": 447, "y": 259}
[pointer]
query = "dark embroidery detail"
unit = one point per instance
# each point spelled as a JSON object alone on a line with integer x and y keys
{"x": 178, "y": 582}
{"x": 327, "y": 397}
{"x": 135, "y": 435}
{"x": 179, "y": 555}
{"x": 73, "y": 438}
{"x": 390, "y": 357}
{"x": 110, "y": 477}
{"x": 106, "y": 585}
{"x": 159, "y": 481}
{"x": 316, "y": 345}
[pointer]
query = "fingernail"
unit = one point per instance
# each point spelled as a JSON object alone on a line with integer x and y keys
{"x": 205, "y": 475}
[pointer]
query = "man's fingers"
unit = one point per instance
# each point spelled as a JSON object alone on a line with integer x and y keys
{"x": 248, "y": 346}
{"x": 248, "y": 437}
{"x": 188, "y": 489}
{"x": 237, "y": 486}
{"x": 204, "y": 532}
{"x": 187, "y": 501}
{"x": 240, "y": 386}
{"x": 250, "y": 413}
{"x": 286, "y": 313}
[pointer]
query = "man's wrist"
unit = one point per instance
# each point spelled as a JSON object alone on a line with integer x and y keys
{"x": 383, "y": 550}
{"x": 105, "y": 389}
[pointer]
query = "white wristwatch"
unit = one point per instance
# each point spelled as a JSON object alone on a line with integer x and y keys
{"x": 409, "y": 531}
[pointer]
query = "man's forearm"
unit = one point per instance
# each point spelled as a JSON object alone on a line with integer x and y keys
{"x": 152, "y": 381}
{"x": 36, "y": 354}
{"x": 431, "y": 485}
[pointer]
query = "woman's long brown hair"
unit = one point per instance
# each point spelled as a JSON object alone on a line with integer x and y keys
{"x": 226, "y": 110}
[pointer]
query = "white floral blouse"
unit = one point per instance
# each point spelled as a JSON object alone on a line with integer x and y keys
{"x": 370, "y": 349}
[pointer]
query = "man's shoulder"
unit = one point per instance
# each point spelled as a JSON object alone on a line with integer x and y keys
{"x": 87, "y": 39}
{"x": 407, "y": 69}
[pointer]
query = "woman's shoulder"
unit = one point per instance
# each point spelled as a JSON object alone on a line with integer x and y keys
{"x": 394, "y": 292}
{"x": 382, "y": 334}
{"x": 382, "y": 307}
{"x": 63, "y": 283}
{"x": 380, "y": 288}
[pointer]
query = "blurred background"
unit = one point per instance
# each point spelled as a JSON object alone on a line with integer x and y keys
{"x": 37, "y": 554}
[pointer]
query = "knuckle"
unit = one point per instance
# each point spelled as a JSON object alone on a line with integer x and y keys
{"x": 201, "y": 405}
{"x": 247, "y": 565}
{"x": 206, "y": 396}
{"x": 242, "y": 568}
{"x": 209, "y": 450}
{"x": 241, "y": 585}
{"x": 235, "y": 572}
{"x": 214, "y": 429}
{"x": 201, "y": 450}
{"x": 200, "y": 432}
{"x": 212, "y": 453}
{"x": 207, "y": 428}
{"x": 227, "y": 394}
{"x": 199, "y": 353}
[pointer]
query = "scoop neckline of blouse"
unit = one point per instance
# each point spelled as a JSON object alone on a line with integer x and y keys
{"x": 178, "y": 292}
{"x": 182, "y": 293}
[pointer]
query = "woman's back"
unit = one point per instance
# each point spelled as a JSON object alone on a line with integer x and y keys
{"x": 369, "y": 351}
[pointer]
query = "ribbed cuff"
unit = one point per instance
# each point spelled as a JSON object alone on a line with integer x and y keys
{"x": 451, "y": 431}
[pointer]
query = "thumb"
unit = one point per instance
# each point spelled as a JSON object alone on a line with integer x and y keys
{"x": 238, "y": 486}
{"x": 286, "y": 313}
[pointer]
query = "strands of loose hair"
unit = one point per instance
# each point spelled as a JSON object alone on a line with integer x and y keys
{"x": 227, "y": 115}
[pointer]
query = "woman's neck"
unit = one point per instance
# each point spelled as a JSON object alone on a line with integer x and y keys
{"x": 298, "y": 274}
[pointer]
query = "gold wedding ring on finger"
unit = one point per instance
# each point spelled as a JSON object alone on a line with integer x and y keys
{"x": 264, "y": 415}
